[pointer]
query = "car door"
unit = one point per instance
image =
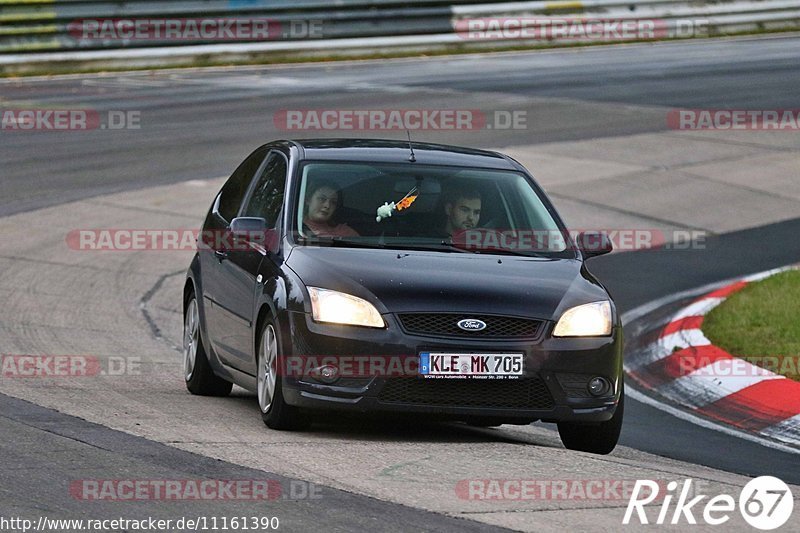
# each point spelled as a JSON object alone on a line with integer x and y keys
{"x": 214, "y": 247}
{"x": 240, "y": 268}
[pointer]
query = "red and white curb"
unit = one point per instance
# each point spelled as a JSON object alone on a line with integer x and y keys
{"x": 683, "y": 366}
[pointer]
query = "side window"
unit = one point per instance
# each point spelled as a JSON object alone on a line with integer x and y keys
{"x": 235, "y": 188}
{"x": 266, "y": 199}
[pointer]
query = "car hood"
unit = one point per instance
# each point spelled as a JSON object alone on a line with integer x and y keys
{"x": 422, "y": 281}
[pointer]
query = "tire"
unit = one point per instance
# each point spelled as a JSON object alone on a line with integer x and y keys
{"x": 599, "y": 438}
{"x": 200, "y": 378}
{"x": 275, "y": 412}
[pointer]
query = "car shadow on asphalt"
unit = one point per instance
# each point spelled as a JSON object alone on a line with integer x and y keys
{"x": 407, "y": 427}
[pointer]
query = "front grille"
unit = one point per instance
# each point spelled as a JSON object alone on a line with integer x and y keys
{"x": 525, "y": 393}
{"x": 446, "y": 325}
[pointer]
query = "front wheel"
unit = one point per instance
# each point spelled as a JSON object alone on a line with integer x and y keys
{"x": 200, "y": 378}
{"x": 276, "y": 413}
{"x": 594, "y": 438}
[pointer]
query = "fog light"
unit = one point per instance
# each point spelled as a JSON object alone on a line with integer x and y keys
{"x": 326, "y": 374}
{"x": 598, "y": 386}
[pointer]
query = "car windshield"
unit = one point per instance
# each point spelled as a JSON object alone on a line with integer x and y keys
{"x": 403, "y": 206}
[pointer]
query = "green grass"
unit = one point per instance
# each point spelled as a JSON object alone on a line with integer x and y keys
{"x": 761, "y": 323}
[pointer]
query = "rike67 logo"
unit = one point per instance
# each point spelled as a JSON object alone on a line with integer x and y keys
{"x": 765, "y": 503}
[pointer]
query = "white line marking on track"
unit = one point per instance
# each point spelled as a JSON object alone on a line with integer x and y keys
{"x": 702, "y": 422}
{"x": 666, "y": 345}
{"x": 708, "y": 384}
{"x": 763, "y": 275}
{"x": 786, "y": 430}
{"x": 646, "y": 309}
{"x": 681, "y": 339}
{"x": 699, "y": 308}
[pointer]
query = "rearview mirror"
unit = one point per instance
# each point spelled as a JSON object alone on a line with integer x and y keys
{"x": 594, "y": 243}
{"x": 423, "y": 187}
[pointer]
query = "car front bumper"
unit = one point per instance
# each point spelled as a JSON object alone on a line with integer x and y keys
{"x": 552, "y": 387}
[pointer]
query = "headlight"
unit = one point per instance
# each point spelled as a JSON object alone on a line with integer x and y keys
{"x": 588, "y": 320}
{"x": 340, "y": 308}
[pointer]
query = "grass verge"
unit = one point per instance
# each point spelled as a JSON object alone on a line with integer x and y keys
{"x": 761, "y": 323}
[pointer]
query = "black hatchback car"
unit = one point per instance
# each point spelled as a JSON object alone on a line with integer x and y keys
{"x": 375, "y": 275}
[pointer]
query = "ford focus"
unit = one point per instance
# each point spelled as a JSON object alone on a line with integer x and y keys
{"x": 382, "y": 276}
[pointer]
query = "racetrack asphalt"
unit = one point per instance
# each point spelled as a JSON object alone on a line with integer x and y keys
{"x": 199, "y": 124}
{"x": 202, "y": 123}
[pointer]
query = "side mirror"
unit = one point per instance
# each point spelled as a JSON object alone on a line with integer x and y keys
{"x": 252, "y": 232}
{"x": 248, "y": 228}
{"x": 594, "y": 243}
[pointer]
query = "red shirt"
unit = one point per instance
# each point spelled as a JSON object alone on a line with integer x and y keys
{"x": 326, "y": 230}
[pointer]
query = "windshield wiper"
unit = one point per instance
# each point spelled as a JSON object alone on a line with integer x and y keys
{"x": 442, "y": 246}
{"x": 380, "y": 244}
{"x": 383, "y": 245}
{"x": 338, "y": 241}
{"x": 492, "y": 251}
{"x": 506, "y": 251}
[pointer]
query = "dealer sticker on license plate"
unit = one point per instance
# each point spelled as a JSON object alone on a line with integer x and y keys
{"x": 470, "y": 365}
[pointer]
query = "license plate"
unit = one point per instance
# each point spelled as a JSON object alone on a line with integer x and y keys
{"x": 470, "y": 365}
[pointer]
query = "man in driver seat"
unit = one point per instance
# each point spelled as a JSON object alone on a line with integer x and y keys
{"x": 462, "y": 209}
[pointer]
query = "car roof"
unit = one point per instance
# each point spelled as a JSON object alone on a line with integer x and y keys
{"x": 391, "y": 151}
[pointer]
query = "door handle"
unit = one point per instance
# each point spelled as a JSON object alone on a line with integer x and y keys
{"x": 221, "y": 254}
